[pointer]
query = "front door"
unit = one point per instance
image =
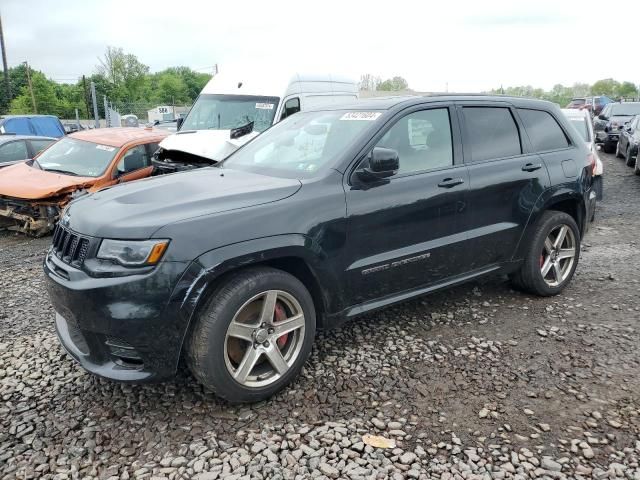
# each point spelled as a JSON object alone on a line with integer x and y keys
{"x": 407, "y": 231}
{"x": 504, "y": 181}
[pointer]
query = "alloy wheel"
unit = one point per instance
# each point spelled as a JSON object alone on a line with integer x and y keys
{"x": 264, "y": 338}
{"x": 558, "y": 255}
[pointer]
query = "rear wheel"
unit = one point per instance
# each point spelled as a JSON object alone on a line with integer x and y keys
{"x": 628, "y": 158}
{"x": 552, "y": 256}
{"x": 618, "y": 152}
{"x": 253, "y": 336}
{"x": 608, "y": 147}
{"x": 636, "y": 169}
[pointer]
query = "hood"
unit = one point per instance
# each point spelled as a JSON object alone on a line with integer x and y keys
{"x": 212, "y": 144}
{"x": 138, "y": 209}
{"x": 24, "y": 181}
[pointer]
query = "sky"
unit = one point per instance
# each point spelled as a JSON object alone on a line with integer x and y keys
{"x": 464, "y": 46}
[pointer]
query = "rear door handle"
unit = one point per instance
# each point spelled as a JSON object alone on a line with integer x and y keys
{"x": 531, "y": 167}
{"x": 450, "y": 182}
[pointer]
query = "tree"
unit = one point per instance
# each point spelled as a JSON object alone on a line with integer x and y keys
{"x": 394, "y": 84}
{"x": 627, "y": 89}
{"x": 369, "y": 82}
{"x": 125, "y": 72}
{"x": 607, "y": 86}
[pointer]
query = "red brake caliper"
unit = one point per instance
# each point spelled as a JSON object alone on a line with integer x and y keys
{"x": 541, "y": 260}
{"x": 279, "y": 316}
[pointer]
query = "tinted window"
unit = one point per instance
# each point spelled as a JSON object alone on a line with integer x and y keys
{"x": 291, "y": 106}
{"x": 12, "y": 151}
{"x": 491, "y": 133}
{"x": 422, "y": 140}
{"x": 543, "y": 130}
{"x": 39, "y": 145}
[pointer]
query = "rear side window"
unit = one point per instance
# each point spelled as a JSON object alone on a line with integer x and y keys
{"x": 491, "y": 132}
{"x": 39, "y": 145}
{"x": 544, "y": 131}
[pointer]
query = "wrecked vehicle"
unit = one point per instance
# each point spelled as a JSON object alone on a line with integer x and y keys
{"x": 33, "y": 193}
{"x": 233, "y": 109}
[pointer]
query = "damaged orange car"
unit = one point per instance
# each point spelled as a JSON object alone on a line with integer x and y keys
{"x": 33, "y": 193}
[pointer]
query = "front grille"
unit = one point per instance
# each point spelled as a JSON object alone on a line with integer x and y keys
{"x": 69, "y": 247}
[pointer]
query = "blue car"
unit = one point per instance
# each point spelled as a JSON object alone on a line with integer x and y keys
{"x": 34, "y": 125}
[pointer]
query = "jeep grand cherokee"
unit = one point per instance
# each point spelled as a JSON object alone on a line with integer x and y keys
{"x": 325, "y": 216}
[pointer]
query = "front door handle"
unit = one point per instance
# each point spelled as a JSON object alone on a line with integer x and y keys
{"x": 450, "y": 182}
{"x": 531, "y": 167}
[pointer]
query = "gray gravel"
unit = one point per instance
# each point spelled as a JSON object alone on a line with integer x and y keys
{"x": 479, "y": 382}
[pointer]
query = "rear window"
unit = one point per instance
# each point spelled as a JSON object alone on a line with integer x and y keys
{"x": 544, "y": 131}
{"x": 491, "y": 132}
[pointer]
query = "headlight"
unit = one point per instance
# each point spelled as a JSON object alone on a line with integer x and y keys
{"x": 133, "y": 253}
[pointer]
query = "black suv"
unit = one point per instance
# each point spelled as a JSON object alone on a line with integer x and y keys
{"x": 327, "y": 215}
{"x": 607, "y": 125}
{"x": 628, "y": 142}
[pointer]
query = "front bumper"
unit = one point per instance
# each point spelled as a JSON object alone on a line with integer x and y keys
{"x": 127, "y": 329}
{"x": 28, "y": 217}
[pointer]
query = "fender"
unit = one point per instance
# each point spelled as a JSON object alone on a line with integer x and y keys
{"x": 204, "y": 271}
{"x": 545, "y": 201}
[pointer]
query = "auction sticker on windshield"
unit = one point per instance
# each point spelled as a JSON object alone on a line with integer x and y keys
{"x": 369, "y": 116}
{"x": 264, "y": 106}
{"x": 106, "y": 148}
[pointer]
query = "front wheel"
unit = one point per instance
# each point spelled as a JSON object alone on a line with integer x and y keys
{"x": 636, "y": 169}
{"x": 253, "y": 336}
{"x": 552, "y": 256}
{"x": 628, "y": 158}
{"x": 608, "y": 147}
{"x": 618, "y": 152}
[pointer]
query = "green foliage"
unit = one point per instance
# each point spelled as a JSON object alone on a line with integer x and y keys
{"x": 607, "y": 86}
{"x": 627, "y": 89}
{"x": 394, "y": 84}
{"x": 120, "y": 76}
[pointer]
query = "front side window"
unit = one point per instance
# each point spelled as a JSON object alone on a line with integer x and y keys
{"x": 291, "y": 106}
{"x": 12, "y": 151}
{"x": 70, "y": 156}
{"x": 39, "y": 145}
{"x": 303, "y": 144}
{"x": 136, "y": 158}
{"x": 543, "y": 130}
{"x": 491, "y": 133}
{"x": 422, "y": 140}
{"x": 226, "y": 112}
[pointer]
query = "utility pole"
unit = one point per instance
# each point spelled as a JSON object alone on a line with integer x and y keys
{"x": 95, "y": 105}
{"x": 7, "y": 83}
{"x": 86, "y": 95}
{"x": 33, "y": 98}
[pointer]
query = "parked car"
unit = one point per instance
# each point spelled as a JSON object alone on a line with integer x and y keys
{"x": 581, "y": 121}
{"x": 577, "y": 103}
{"x": 34, "y": 125}
{"x": 628, "y": 142}
{"x": 18, "y": 148}
{"x": 598, "y": 103}
{"x": 233, "y": 109}
{"x": 72, "y": 127}
{"x": 607, "y": 125}
{"x": 328, "y": 215}
{"x": 33, "y": 193}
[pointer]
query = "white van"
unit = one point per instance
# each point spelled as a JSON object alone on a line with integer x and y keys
{"x": 232, "y": 109}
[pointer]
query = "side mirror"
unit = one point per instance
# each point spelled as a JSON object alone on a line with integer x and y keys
{"x": 380, "y": 163}
{"x": 179, "y": 122}
{"x": 602, "y": 117}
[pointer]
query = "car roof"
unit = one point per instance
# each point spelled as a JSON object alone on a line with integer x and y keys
{"x": 572, "y": 112}
{"x": 393, "y": 102}
{"x": 27, "y": 116}
{"x": 8, "y": 137}
{"x": 119, "y": 136}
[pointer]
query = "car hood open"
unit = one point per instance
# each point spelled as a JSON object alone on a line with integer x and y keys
{"x": 30, "y": 183}
{"x": 215, "y": 145}
{"x": 138, "y": 209}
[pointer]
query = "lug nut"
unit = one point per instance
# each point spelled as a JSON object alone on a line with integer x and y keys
{"x": 266, "y": 344}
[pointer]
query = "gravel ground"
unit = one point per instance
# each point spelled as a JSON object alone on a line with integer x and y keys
{"x": 477, "y": 382}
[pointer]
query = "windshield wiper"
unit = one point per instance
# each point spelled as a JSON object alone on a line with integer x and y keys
{"x": 241, "y": 131}
{"x": 64, "y": 172}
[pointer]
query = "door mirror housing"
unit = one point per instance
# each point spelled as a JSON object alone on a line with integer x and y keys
{"x": 380, "y": 163}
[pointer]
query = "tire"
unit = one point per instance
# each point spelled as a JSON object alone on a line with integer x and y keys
{"x": 628, "y": 158}
{"x": 636, "y": 169}
{"x": 607, "y": 147}
{"x": 211, "y": 347}
{"x": 618, "y": 153}
{"x": 529, "y": 278}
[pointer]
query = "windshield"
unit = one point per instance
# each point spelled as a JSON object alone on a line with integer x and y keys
{"x": 77, "y": 157}
{"x": 303, "y": 144}
{"x": 225, "y": 112}
{"x": 624, "y": 109}
{"x": 580, "y": 125}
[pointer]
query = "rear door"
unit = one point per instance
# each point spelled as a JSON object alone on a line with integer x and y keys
{"x": 505, "y": 180}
